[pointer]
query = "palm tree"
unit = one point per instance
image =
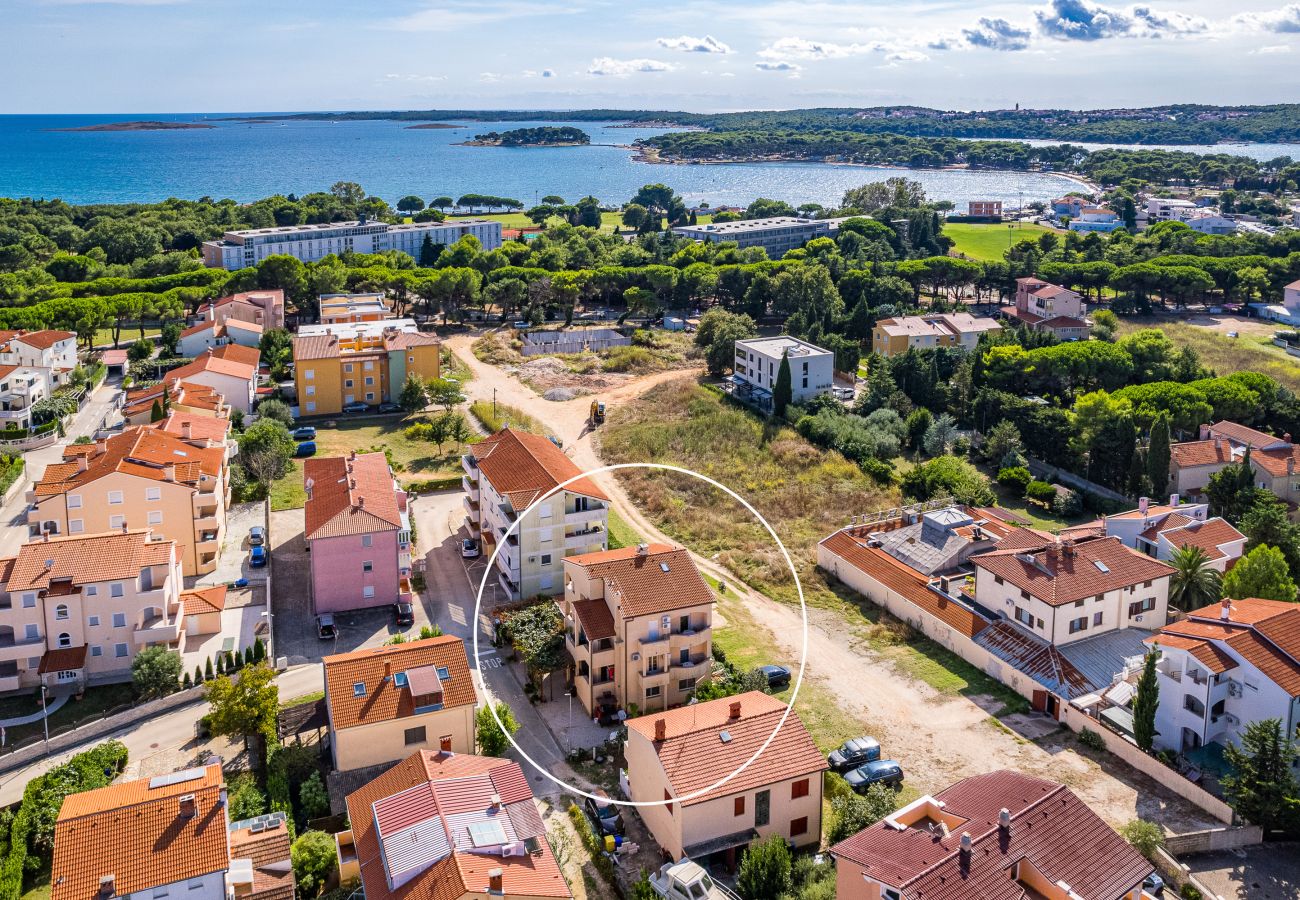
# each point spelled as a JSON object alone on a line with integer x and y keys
{"x": 1195, "y": 583}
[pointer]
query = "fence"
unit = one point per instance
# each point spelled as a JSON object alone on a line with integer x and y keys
{"x": 1212, "y": 839}
{"x": 1078, "y": 482}
{"x": 537, "y": 343}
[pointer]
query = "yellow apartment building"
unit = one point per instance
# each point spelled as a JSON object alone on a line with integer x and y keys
{"x": 359, "y": 363}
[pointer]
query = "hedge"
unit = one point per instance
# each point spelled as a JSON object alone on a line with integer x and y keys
{"x": 593, "y": 842}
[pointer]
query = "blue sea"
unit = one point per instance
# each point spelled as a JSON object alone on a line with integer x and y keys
{"x": 247, "y": 161}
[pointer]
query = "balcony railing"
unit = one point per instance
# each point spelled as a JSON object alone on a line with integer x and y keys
{"x": 583, "y": 517}
{"x": 19, "y": 648}
{"x": 470, "y": 488}
{"x": 470, "y": 465}
{"x": 696, "y": 663}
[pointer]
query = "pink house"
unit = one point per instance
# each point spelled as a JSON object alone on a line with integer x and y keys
{"x": 358, "y": 533}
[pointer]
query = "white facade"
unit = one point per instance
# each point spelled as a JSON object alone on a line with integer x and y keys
{"x": 1160, "y": 209}
{"x": 214, "y": 335}
{"x": 238, "y": 392}
{"x": 812, "y": 369}
{"x": 776, "y": 235}
{"x": 1211, "y": 223}
{"x": 206, "y": 887}
{"x": 62, "y": 354}
{"x": 19, "y": 389}
{"x": 309, "y": 243}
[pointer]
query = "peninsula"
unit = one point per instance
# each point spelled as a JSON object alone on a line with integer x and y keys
{"x": 145, "y": 125}
{"x": 431, "y": 125}
{"x": 547, "y": 136}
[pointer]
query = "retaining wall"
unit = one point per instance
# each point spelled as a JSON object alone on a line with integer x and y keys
{"x": 1212, "y": 839}
{"x": 1054, "y": 473}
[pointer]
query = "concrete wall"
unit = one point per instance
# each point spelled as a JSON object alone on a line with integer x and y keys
{"x": 1212, "y": 839}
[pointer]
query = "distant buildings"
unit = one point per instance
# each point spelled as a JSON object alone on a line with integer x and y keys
{"x": 1162, "y": 209}
{"x": 758, "y": 361}
{"x": 1161, "y": 531}
{"x": 362, "y": 362}
{"x": 1049, "y": 307}
{"x": 33, "y": 365}
{"x": 1274, "y": 460}
{"x": 776, "y": 235}
{"x": 984, "y": 208}
{"x": 309, "y": 243}
{"x": 265, "y": 308}
{"x": 1210, "y": 222}
{"x": 1288, "y": 311}
{"x": 358, "y": 530}
{"x": 892, "y": 337}
{"x": 1096, "y": 219}
{"x": 1069, "y": 206}
{"x": 209, "y": 334}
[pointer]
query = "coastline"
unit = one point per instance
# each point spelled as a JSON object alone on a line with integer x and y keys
{"x": 141, "y": 125}
{"x": 523, "y": 146}
{"x": 426, "y": 126}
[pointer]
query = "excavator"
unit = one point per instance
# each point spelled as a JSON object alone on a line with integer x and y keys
{"x": 597, "y": 416}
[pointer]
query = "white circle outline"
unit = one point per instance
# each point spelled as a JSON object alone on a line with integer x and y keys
{"x": 803, "y": 612}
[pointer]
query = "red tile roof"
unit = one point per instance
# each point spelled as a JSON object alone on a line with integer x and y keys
{"x": 523, "y": 467}
{"x": 63, "y": 659}
{"x": 210, "y": 362}
{"x": 1050, "y": 828}
{"x": 1265, "y": 633}
{"x": 1208, "y": 653}
{"x": 87, "y": 559}
{"x": 140, "y": 451}
{"x": 43, "y": 340}
{"x": 315, "y": 346}
{"x": 1242, "y": 434}
{"x": 1064, "y": 578}
{"x": 201, "y": 428}
{"x": 694, "y": 756}
{"x": 249, "y": 356}
{"x": 1209, "y": 535}
{"x": 269, "y": 852}
{"x": 662, "y": 579}
{"x": 204, "y": 600}
{"x": 350, "y": 495}
{"x": 1191, "y": 454}
{"x": 383, "y": 700}
{"x": 1277, "y": 463}
{"x": 595, "y": 618}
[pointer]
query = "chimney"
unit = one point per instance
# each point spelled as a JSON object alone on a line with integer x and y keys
{"x": 187, "y": 430}
{"x": 1173, "y": 500}
{"x": 169, "y": 472}
{"x": 107, "y": 885}
{"x": 353, "y": 454}
{"x": 1067, "y": 548}
{"x": 1218, "y": 443}
{"x": 388, "y": 669}
{"x": 495, "y": 803}
{"x": 1144, "y": 503}
{"x": 1004, "y": 819}
{"x": 444, "y": 745}
{"x": 1051, "y": 555}
{"x": 1205, "y": 433}
{"x": 124, "y": 526}
{"x": 965, "y": 843}
{"x": 83, "y": 462}
{"x": 188, "y": 808}
{"x": 1225, "y": 609}
{"x": 361, "y": 501}
{"x": 352, "y": 484}
{"x": 661, "y": 729}
{"x": 642, "y": 549}
{"x": 735, "y": 710}
{"x": 1287, "y": 437}
{"x": 496, "y": 881}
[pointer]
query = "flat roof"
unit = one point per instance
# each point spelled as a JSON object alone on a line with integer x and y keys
{"x": 775, "y": 346}
{"x": 748, "y": 226}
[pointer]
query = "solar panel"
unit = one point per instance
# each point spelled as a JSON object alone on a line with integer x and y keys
{"x": 180, "y": 777}
{"x": 487, "y": 834}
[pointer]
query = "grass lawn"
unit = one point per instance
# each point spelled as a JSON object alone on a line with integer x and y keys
{"x": 989, "y": 242}
{"x": 128, "y": 336}
{"x": 621, "y": 534}
{"x": 97, "y": 700}
{"x": 1248, "y": 353}
{"x": 452, "y": 366}
{"x": 38, "y": 887}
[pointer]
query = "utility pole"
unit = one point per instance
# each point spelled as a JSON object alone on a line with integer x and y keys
{"x": 45, "y": 719}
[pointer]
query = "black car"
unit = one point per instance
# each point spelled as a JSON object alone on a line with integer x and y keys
{"x": 325, "y": 628}
{"x": 883, "y": 771}
{"x": 777, "y": 676}
{"x": 605, "y": 817}
{"x": 404, "y": 614}
{"x": 389, "y": 408}
{"x": 853, "y": 753}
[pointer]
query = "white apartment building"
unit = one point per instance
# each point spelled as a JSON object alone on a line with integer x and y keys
{"x": 309, "y": 243}
{"x": 1162, "y": 530}
{"x": 776, "y": 235}
{"x": 1224, "y": 667}
{"x": 20, "y": 387}
{"x": 758, "y": 360}
{"x": 33, "y": 364}
{"x": 504, "y": 475}
{"x": 1160, "y": 209}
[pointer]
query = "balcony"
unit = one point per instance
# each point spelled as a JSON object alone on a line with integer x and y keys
{"x": 697, "y": 666}
{"x": 682, "y": 640}
{"x": 586, "y": 516}
{"x": 161, "y": 629}
{"x": 208, "y": 542}
{"x": 655, "y": 642}
{"x": 508, "y": 586}
{"x": 12, "y": 649}
{"x": 10, "y": 683}
{"x": 405, "y": 594}
{"x": 584, "y": 538}
{"x": 470, "y": 488}
{"x": 652, "y": 677}
{"x": 207, "y": 524}
{"x": 470, "y": 465}
{"x": 205, "y": 506}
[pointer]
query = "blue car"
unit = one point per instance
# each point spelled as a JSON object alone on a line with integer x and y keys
{"x": 882, "y": 771}
{"x": 257, "y": 557}
{"x": 306, "y": 448}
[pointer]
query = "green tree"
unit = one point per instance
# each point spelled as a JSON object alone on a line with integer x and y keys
{"x": 169, "y": 338}
{"x": 782, "y": 391}
{"x": 1263, "y": 788}
{"x": 851, "y": 812}
{"x": 246, "y": 801}
{"x": 1263, "y": 572}
{"x": 940, "y": 435}
{"x": 1002, "y": 441}
{"x": 245, "y": 707}
{"x": 410, "y": 204}
{"x": 140, "y": 350}
{"x": 414, "y": 396}
{"x": 717, "y": 335}
{"x": 1195, "y": 582}
{"x": 918, "y": 423}
{"x": 156, "y": 672}
{"x": 276, "y": 410}
{"x": 1267, "y": 522}
{"x": 445, "y": 393}
{"x": 764, "y": 872}
{"x": 492, "y": 741}
{"x": 313, "y": 799}
{"x": 429, "y": 253}
{"x": 1145, "y": 837}
{"x": 207, "y": 669}
{"x": 156, "y": 413}
{"x": 1158, "y": 454}
{"x": 948, "y": 476}
{"x": 313, "y": 856}
{"x": 265, "y": 450}
{"x": 1145, "y": 700}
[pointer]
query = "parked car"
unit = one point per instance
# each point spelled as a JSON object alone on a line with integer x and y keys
{"x": 853, "y": 753}
{"x": 605, "y": 817}
{"x": 404, "y": 615}
{"x": 469, "y": 548}
{"x": 777, "y": 676}
{"x": 325, "y": 629}
{"x": 256, "y": 536}
{"x": 306, "y": 448}
{"x": 257, "y": 557}
{"x": 1154, "y": 885}
{"x": 356, "y": 407}
{"x": 882, "y": 771}
{"x": 389, "y": 408}
{"x": 687, "y": 880}
{"x": 304, "y": 433}
{"x": 520, "y": 325}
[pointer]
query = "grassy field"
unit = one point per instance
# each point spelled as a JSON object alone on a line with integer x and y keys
{"x": 989, "y": 242}
{"x": 1248, "y": 353}
{"x": 452, "y": 366}
{"x": 104, "y": 336}
{"x": 621, "y": 534}
{"x": 96, "y": 700}
{"x": 492, "y": 416}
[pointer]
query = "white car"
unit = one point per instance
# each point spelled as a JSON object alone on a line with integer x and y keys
{"x": 469, "y": 548}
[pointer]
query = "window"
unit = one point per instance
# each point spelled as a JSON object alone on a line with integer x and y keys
{"x": 119, "y": 620}
{"x": 153, "y": 493}
{"x": 115, "y": 589}
{"x": 445, "y": 675}
{"x": 414, "y": 735}
{"x": 115, "y": 497}
{"x": 1024, "y": 617}
{"x": 891, "y": 894}
{"x": 799, "y": 826}
{"x": 309, "y": 374}
{"x": 311, "y": 404}
{"x": 155, "y": 517}
{"x": 368, "y": 566}
{"x": 120, "y": 651}
{"x": 96, "y": 650}
{"x": 762, "y": 808}
{"x": 74, "y": 501}
{"x": 370, "y": 396}
{"x": 1097, "y": 619}
{"x": 347, "y": 383}
{"x": 61, "y": 611}
{"x": 33, "y": 632}
{"x": 1078, "y": 604}
{"x": 1142, "y": 606}
{"x": 159, "y": 892}
{"x": 1024, "y": 595}
{"x": 997, "y": 579}
{"x": 76, "y": 526}
{"x": 686, "y": 684}
{"x": 653, "y": 691}
{"x": 799, "y": 789}
{"x": 347, "y": 367}
{"x": 739, "y": 806}
{"x": 195, "y": 884}
{"x": 546, "y": 559}
{"x": 116, "y": 522}
{"x": 369, "y": 366}
{"x": 1079, "y": 624}
{"x": 1099, "y": 597}
{"x": 368, "y": 591}
{"x": 359, "y": 689}
{"x": 29, "y": 601}
{"x": 370, "y": 381}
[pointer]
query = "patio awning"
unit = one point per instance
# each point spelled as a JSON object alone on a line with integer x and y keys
{"x": 64, "y": 659}
{"x": 1120, "y": 718}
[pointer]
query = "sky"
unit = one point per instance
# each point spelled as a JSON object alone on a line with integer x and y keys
{"x": 161, "y": 56}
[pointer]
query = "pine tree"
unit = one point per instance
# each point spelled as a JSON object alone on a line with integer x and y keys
{"x": 1145, "y": 702}
{"x": 221, "y": 664}
{"x": 248, "y": 656}
{"x": 1158, "y": 454}
{"x": 198, "y": 674}
{"x": 782, "y": 392}
{"x": 1262, "y": 789}
{"x": 156, "y": 413}
{"x": 428, "y": 253}
{"x": 187, "y": 681}
{"x": 259, "y": 651}
{"x": 207, "y": 670}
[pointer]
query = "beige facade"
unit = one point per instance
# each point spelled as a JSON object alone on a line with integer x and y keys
{"x": 381, "y": 742}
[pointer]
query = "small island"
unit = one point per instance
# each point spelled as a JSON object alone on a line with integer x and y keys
{"x": 425, "y": 125}
{"x": 546, "y": 136}
{"x": 138, "y": 126}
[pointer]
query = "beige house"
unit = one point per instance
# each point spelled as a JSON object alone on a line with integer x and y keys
{"x": 182, "y": 396}
{"x": 504, "y": 475}
{"x": 892, "y": 337}
{"x": 638, "y": 627}
{"x": 76, "y": 610}
{"x": 230, "y": 370}
{"x": 386, "y": 703}
{"x": 140, "y": 478}
{"x": 1275, "y": 460}
{"x": 679, "y": 755}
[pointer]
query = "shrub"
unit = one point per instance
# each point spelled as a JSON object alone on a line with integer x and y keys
{"x": 765, "y": 869}
{"x": 1015, "y": 478}
{"x": 1091, "y": 739}
{"x": 246, "y": 800}
{"x": 1067, "y": 503}
{"x": 1146, "y": 837}
{"x": 313, "y": 856}
{"x": 1040, "y": 492}
{"x": 853, "y": 812}
{"x": 592, "y": 842}
{"x": 1190, "y": 891}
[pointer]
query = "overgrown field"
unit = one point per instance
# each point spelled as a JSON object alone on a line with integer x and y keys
{"x": 1225, "y": 355}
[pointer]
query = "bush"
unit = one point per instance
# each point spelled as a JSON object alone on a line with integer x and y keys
{"x": 1091, "y": 739}
{"x": 1040, "y": 492}
{"x": 1067, "y": 503}
{"x": 313, "y": 856}
{"x": 948, "y": 475}
{"x": 1189, "y": 891}
{"x": 592, "y": 842}
{"x": 765, "y": 870}
{"x": 1146, "y": 837}
{"x": 1015, "y": 478}
{"x": 246, "y": 800}
{"x": 852, "y": 812}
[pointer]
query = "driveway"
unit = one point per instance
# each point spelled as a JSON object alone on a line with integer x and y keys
{"x": 233, "y": 563}
{"x": 1265, "y": 872}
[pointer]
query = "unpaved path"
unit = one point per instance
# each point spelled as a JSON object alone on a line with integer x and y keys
{"x": 940, "y": 738}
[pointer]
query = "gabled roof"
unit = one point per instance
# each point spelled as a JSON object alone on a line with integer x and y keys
{"x": 43, "y": 340}
{"x": 523, "y": 467}
{"x": 1244, "y": 435}
{"x": 135, "y": 832}
{"x": 249, "y": 356}
{"x": 1190, "y": 454}
{"x": 201, "y": 428}
{"x": 595, "y": 618}
{"x": 140, "y": 451}
{"x": 1057, "y": 574}
{"x": 383, "y": 700}
{"x": 315, "y": 346}
{"x": 1037, "y": 658}
{"x": 1209, "y": 536}
{"x": 209, "y": 361}
{"x": 695, "y": 755}
{"x": 87, "y": 559}
{"x": 1265, "y": 633}
{"x": 350, "y": 495}
{"x": 269, "y": 852}
{"x": 204, "y": 600}
{"x": 660, "y": 580}
{"x": 1050, "y": 828}
{"x": 405, "y": 340}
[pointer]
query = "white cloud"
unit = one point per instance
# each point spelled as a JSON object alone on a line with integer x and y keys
{"x": 412, "y": 77}
{"x": 801, "y": 48}
{"x": 906, "y": 56}
{"x": 622, "y": 68}
{"x": 778, "y": 66}
{"x": 1272, "y": 48}
{"x": 996, "y": 34}
{"x": 1077, "y": 20}
{"x": 489, "y": 77}
{"x": 1283, "y": 21}
{"x": 688, "y": 44}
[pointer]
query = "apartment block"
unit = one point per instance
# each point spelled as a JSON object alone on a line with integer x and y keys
{"x": 76, "y": 610}
{"x": 504, "y": 475}
{"x": 358, "y": 531}
{"x": 367, "y": 362}
{"x": 1162, "y": 530}
{"x": 987, "y": 208}
{"x": 53, "y": 352}
{"x": 638, "y": 627}
{"x": 777, "y": 235}
{"x": 680, "y": 755}
{"x": 758, "y": 360}
{"x": 336, "y": 309}
{"x": 140, "y": 478}
{"x": 265, "y": 308}
{"x": 1273, "y": 459}
{"x": 229, "y": 369}
{"x": 208, "y": 335}
{"x": 21, "y": 387}
{"x": 1049, "y": 307}
{"x": 895, "y": 336}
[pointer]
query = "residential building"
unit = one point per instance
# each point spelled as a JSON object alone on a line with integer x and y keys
{"x": 638, "y": 625}
{"x": 230, "y": 374}
{"x": 54, "y": 353}
{"x": 265, "y": 308}
{"x": 1162, "y": 209}
{"x": 168, "y": 837}
{"x": 1210, "y": 222}
{"x": 358, "y": 532}
{"x": 21, "y": 387}
{"x": 385, "y": 703}
{"x": 892, "y": 337}
{"x": 77, "y": 609}
{"x": 311, "y": 243}
{"x": 1069, "y": 206}
{"x": 348, "y": 308}
{"x": 1002, "y": 834}
{"x": 758, "y": 361}
{"x": 1096, "y": 219}
{"x": 449, "y": 826}
{"x": 680, "y": 755}
{"x": 142, "y": 477}
{"x": 776, "y": 235}
{"x": 210, "y": 334}
{"x": 1273, "y": 459}
{"x": 198, "y": 430}
{"x": 1162, "y": 530}
{"x": 1050, "y": 307}
{"x": 338, "y": 365}
{"x": 987, "y": 208}
{"x": 1224, "y": 667}
{"x": 504, "y": 475}
{"x": 186, "y": 397}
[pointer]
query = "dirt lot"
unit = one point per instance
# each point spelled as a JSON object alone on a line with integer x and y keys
{"x": 1244, "y": 327}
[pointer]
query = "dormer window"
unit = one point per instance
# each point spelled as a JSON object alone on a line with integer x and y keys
{"x": 359, "y": 689}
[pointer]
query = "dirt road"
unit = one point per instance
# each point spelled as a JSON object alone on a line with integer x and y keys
{"x": 940, "y": 738}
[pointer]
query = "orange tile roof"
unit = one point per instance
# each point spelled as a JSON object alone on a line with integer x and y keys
{"x": 1277, "y": 462}
{"x": 249, "y": 356}
{"x": 204, "y": 600}
{"x": 383, "y": 700}
{"x": 1191, "y": 454}
{"x": 405, "y": 340}
{"x": 523, "y": 467}
{"x": 1209, "y": 535}
{"x": 201, "y": 428}
{"x": 694, "y": 756}
{"x": 141, "y": 451}
{"x": 1209, "y": 654}
{"x": 134, "y": 832}
{"x": 1265, "y": 633}
{"x": 315, "y": 346}
{"x": 596, "y": 619}
{"x": 87, "y": 559}
{"x": 269, "y": 852}
{"x": 640, "y": 583}
{"x": 1242, "y": 434}
{"x": 210, "y": 362}
{"x": 63, "y": 659}
{"x": 43, "y": 340}
{"x": 350, "y": 495}
{"x": 207, "y": 325}
{"x": 1067, "y": 578}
